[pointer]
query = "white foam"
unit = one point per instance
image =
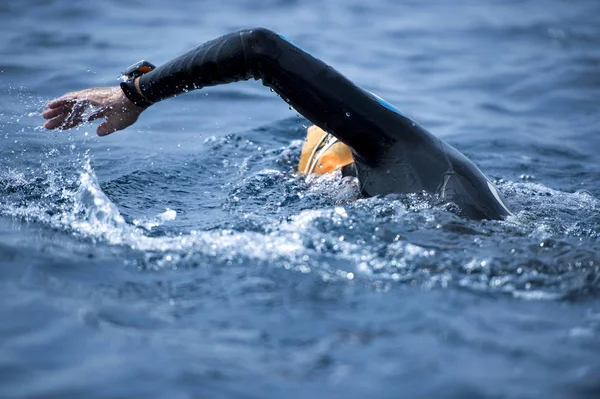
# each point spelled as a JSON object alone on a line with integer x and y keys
{"x": 167, "y": 216}
{"x": 304, "y": 242}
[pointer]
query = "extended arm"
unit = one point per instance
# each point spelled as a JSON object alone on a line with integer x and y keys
{"x": 314, "y": 89}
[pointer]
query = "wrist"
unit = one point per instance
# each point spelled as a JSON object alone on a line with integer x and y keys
{"x": 127, "y": 103}
{"x": 131, "y": 84}
{"x": 134, "y": 95}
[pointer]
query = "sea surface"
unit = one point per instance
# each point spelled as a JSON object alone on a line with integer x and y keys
{"x": 184, "y": 258}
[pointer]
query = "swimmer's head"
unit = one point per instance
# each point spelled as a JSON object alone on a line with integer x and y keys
{"x": 322, "y": 153}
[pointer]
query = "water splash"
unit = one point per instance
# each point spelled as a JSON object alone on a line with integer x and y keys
{"x": 401, "y": 239}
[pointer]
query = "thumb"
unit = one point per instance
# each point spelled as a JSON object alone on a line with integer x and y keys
{"x": 106, "y": 128}
{"x": 117, "y": 117}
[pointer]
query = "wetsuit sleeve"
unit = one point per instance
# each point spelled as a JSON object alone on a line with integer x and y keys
{"x": 317, "y": 91}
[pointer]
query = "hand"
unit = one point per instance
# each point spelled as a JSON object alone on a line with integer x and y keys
{"x": 76, "y": 108}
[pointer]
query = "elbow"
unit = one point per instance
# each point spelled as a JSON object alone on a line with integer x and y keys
{"x": 262, "y": 43}
{"x": 260, "y": 34}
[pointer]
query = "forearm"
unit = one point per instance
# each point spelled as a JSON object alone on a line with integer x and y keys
{"x": 219, "y": 61}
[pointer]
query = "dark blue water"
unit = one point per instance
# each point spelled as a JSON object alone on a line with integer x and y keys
{"x": 183, "y": 258}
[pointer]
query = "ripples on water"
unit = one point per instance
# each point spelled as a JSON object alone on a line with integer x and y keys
{"x": 185, "y": 258}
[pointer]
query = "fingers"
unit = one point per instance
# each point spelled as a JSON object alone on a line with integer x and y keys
{"x": 57, "y": 116}
{"x": 54, "y": 112}
{"x": 55, "y": 122}
{"x": 63, "y": 122}
{"x": 70, "y": 114}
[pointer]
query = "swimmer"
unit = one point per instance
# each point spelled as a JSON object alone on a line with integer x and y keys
{"x": 355, "y": 130}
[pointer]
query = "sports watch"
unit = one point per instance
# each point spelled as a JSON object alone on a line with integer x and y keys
{"x": 128, "y": 84}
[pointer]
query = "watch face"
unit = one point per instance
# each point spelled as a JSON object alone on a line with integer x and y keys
{"x": 137, "y": 69}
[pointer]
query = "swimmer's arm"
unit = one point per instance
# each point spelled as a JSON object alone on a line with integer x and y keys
{"x": 313, "y": 88}
{"x": 218, "y": 61}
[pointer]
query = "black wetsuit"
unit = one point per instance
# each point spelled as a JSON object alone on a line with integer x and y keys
{"x": 392, "y": 153}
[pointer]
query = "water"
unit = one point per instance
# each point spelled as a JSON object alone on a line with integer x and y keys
{"x": 183, "y": 258}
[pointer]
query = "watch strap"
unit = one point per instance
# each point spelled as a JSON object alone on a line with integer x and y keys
{"x": 133, "y": 95}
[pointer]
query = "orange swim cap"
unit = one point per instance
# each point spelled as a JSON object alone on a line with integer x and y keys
{"x": 322, "y": 153}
